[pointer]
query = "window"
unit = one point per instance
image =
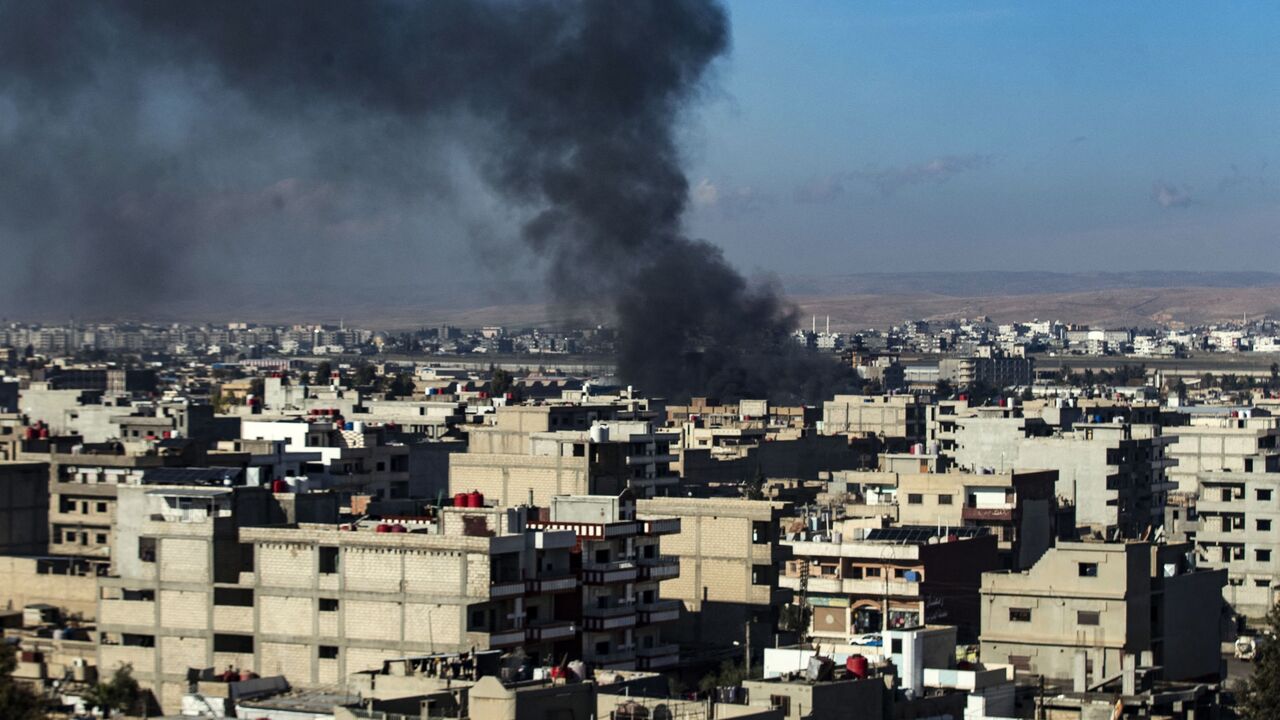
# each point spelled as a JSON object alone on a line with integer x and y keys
{"x": 895, "y": 645}
{"x": 236, "y": 597}
{"x": 873, "y": 572}
{"x": 477, "y": 620}
{"x": 1264, "y": 525}
{"x": 760, "y": 574}
{"x": 914, "y": 498}
{"x": 1019, "y": 614}
{"x": 1264, "y": 495}
{"x": 602, "y": 555}
{"x": 147, "y": 549}
{"x": 328, "y": 560}
{"x": 328, "y": 605}
{"x": 1262, "y": 555}
{"x": 781, "y": 703}
{"x": 102, "y": 507}
{"x": 233, "y": 643}
{"x": 1086, "y": 617}
{"x": 855, "y": 572}
{"x": 100, "y": 538}
{"x": 944, "y": 499}
{"x": 900, "y": 573}
{"x": 759, "y": 532}
{"x": 1088, "y": 569}
{"x": 1262, "y": 583}
{"x": 328, "y": 652}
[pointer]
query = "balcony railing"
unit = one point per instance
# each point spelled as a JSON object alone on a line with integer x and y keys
{"x": 506, "y": 589}
{"x": 660, "y": 611}
{"x": 553, "y": 631}
{"x": 615, "y": 617}
{"x": 506, "y": 638}
{"x": 563, "y": 583}
{"x": 606, "y": 573}
{"x": 662, "y": 567}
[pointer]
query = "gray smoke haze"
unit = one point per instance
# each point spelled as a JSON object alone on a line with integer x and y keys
{"x": 156, "y": 150}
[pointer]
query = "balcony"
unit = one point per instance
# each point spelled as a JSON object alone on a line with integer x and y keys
{"x": 564, "y": 583}
{"x": 662, "y": 567}
{"x": 617, "y": 617}
{"x": 657, "y": 657}
{"x": 506, "y": 638}
{"x": 660, "y": 611}
{"x": 127, "y": 612}
{"x": 662, "y": 526}
{"x": 608, "y": 573}
{"x": 816, "y": 584}
{"x": 987, "y": 514}
{"x": 622, "y": 659}
{"x": 553, "y": 631}
{"x": 878, "y": 586}
{"x": 508, "y": 589}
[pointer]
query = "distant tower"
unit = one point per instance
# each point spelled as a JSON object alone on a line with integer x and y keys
{"x": 813, "y": 327}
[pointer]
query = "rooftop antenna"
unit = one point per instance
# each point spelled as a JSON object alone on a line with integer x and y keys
{"x": 814, "y": 325}
{"x": 828, "y": 324}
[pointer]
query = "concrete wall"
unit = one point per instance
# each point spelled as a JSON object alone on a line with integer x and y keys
{"x": 24, "y": 508}
{"x": 23, "y": 583}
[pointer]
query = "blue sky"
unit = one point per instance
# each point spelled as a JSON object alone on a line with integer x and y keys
{"x": 849, "y": 137}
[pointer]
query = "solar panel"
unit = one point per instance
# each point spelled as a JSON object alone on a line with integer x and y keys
{"x": 920, "y": 534}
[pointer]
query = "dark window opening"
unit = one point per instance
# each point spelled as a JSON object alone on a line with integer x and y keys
{"x": 328, "y": 560}
{"x": 328, "y": 605}
{"x": 233, "y": 643}
{"x": 328, "y": 652}
{"x": 1019, "y": 615}
{"x": 234, "y": 597}
{"x": 1088, "y": 569}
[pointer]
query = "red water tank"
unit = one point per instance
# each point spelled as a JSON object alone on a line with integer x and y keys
{"x": 44, "y": 433}
{"x": 31, "y": 433}
{"x": 383, "y": 528}
{"x": 459, "y": 499}
{"x": 857, "y": 666}
{"x": 475, "y": 499}
{"x": 399, "y": 529}
{"x": 279, "y": 486}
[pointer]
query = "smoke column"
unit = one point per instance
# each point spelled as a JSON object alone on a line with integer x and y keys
{"x": 567, "y": 109}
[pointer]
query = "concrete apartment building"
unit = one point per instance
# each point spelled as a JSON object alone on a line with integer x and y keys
{"x": 1098, "y": 603}
{"x": 728, "y": 551}
{"x": 992, "y": 369}
{"x": 620, "y": 565}
{"x": 205, "y": 578}
{"x": 24, "y": 508}
{"x": 1239, "y": 532}
{"x": 895, "y": 419}
{"x": 1113, "y": 473}
{"x": 1240, "y": 444}
{"x": 515, "y": 461}
{"x": 82, "y": 490}
{"x": 1019, "y": 508}
{"x": 917, "y": 575}
{"x": 355, "y": 459}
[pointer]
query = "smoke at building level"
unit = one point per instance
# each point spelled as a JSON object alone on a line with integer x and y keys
{"x": 153, "y": 141}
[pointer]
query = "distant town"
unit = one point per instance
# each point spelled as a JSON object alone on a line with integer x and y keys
{"x": 323, "y": 521}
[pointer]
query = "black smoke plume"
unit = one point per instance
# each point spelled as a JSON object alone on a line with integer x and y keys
{"x": 145, "y": 143}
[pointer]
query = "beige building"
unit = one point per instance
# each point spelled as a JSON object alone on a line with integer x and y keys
{"x": 1106, "y": 602}
{"x": 1018, "y": 507}
{"x": 1209, "y": 444}
{"x": 858, "y": 580}
{"x": 900, "y": 418}
{"x": 515, "y": 461}
{"x": 201, "y": 581}
{"x": 728, "y": 551}
{"x": 1239, "y": 531}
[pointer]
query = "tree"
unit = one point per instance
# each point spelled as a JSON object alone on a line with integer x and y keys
{"x": 753, "y": 488}
{"x": 365, "y": 375}
{"x": 1275, "y": 376}
{"x": 119, "y": 694}
{"x": 501, "y": 383}
{"x": 17, "y": 702}
{"x": 1260, "y": 694}
{"x": 401, "y": 386}
{"x": 323, "y": 371}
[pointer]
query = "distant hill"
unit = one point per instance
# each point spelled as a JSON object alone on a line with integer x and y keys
{"x": 1140, "y": 298}
{"x": 990, "y": 282}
